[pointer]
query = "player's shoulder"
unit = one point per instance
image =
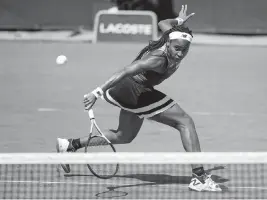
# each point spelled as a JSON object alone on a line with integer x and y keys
{"x": 155, "y": 57}
{"x": 159, "y": 52}
{"x": 160, "y": 56}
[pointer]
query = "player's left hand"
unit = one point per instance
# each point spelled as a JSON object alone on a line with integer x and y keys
{"x": 89, "y": 100}
{"x": 183, "y": 15}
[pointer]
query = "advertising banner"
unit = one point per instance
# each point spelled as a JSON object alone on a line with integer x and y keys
{"x": 125, "y": 26}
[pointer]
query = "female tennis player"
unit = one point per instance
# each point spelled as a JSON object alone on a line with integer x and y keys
{"x": 132, "y": 90}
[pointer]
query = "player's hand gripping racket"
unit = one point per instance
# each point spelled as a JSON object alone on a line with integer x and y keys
{"x": 97, "y": 142}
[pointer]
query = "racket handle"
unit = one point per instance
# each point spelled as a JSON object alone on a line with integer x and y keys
{"x": 91, "y": 114}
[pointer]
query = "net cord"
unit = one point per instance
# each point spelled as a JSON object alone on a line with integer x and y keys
{"x": 135, "y": 158}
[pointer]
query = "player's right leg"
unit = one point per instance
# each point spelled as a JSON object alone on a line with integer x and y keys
{"x": 177, "y": 118}
{"x": 129, "y": 126}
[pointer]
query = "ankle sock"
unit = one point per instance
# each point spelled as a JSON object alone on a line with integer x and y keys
{"x": 199, "y": 171}
{"x": 76, "y": 143}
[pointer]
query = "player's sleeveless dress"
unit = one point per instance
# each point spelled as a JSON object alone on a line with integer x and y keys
{"x": 137, "y": 94}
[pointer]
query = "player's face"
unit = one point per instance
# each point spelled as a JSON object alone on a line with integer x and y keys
{"x": 178, "y": 49}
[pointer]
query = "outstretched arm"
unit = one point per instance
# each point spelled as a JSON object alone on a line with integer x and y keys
{"x": 167, "y": 24}
{"x": 131, "y": 70}
{"x": 150, "y": 63}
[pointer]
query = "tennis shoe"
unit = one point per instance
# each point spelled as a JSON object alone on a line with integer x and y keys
{"x": 64, "y": 146}
{"x": 204, "y": 183}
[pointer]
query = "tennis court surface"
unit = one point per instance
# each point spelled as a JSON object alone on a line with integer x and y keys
{"x": 222, "y": 87}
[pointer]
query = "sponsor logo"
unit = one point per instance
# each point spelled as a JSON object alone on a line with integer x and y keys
{"x": 128, "y": 29}
{"x": 184, "y": 35}
{"x": 195, "y": 182}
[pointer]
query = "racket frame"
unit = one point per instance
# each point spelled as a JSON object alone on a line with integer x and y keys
{"x": 93, "y": 125}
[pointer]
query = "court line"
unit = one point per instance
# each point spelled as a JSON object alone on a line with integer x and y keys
{"x": 64, "y": 182}
{"x": 112, "y": 184}
{"x": 53, "y": 182}
{"x": 194, "y": 113}
{"x": 229, "y": 114}
{"x": 48, "y": 109}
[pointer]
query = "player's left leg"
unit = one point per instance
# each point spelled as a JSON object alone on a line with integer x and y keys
{"x": 129, "y": 126}
{"x": 177, "y": 118}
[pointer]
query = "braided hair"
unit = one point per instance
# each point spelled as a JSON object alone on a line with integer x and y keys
{"x": 153, "y": 45}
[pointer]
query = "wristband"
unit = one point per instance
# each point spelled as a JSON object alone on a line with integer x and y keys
{"x": 98, "y": 92}
{"x": 179, "y": 20}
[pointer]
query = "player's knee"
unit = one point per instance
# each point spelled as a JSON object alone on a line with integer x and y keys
{"x": 128, "y": 140}
{"x": 188, "y": 121}
{"x": 124, "y": 138}
{"x": 185, "y": 123}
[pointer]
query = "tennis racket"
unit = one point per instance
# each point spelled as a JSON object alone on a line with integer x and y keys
{"x": 97, "y": 142}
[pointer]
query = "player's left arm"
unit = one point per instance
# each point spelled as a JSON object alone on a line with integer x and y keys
{"x": 148, "y": 63}
{"x": 153, "y": 63}
{"x": 167, "y": 24}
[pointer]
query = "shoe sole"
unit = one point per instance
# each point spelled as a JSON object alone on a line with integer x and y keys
{"x": 191, "y": 189}
{"x": 204, "y": 190}
{"x": 66, "y": 167}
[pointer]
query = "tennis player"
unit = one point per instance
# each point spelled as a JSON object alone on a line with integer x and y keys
{"x": 132, "y": 90}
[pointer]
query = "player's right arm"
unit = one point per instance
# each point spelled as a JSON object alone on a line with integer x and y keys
{"x": 167, "y": 24}
{"x": 153, "y": 63}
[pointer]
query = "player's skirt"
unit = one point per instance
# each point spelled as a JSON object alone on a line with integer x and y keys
{"x": 131, "y": 96}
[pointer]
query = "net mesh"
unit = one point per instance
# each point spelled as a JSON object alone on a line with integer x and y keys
{"x": 140, "y": 176}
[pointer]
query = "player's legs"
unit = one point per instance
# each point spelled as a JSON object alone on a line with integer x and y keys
{"x": 177, "y": 118}
{"x": 129, "y": 126}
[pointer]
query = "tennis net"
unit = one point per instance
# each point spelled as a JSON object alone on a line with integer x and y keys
{"x": 140, "y": 175}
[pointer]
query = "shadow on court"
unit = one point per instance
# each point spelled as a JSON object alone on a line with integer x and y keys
{"x": 160, "y": 178}
{"x": 153, "y": 180}
{"x": 128, "y": 181}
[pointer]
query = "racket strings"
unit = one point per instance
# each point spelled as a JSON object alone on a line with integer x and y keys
{"x": 99, "y": 144}
{"x": 97, "y": 141}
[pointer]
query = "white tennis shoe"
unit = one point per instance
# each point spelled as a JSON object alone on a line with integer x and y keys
{"x": 203, "y": 183}
{"x": 62, "y": 147}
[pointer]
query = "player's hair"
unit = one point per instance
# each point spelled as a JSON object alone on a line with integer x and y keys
{"x": 153, "y": 45}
